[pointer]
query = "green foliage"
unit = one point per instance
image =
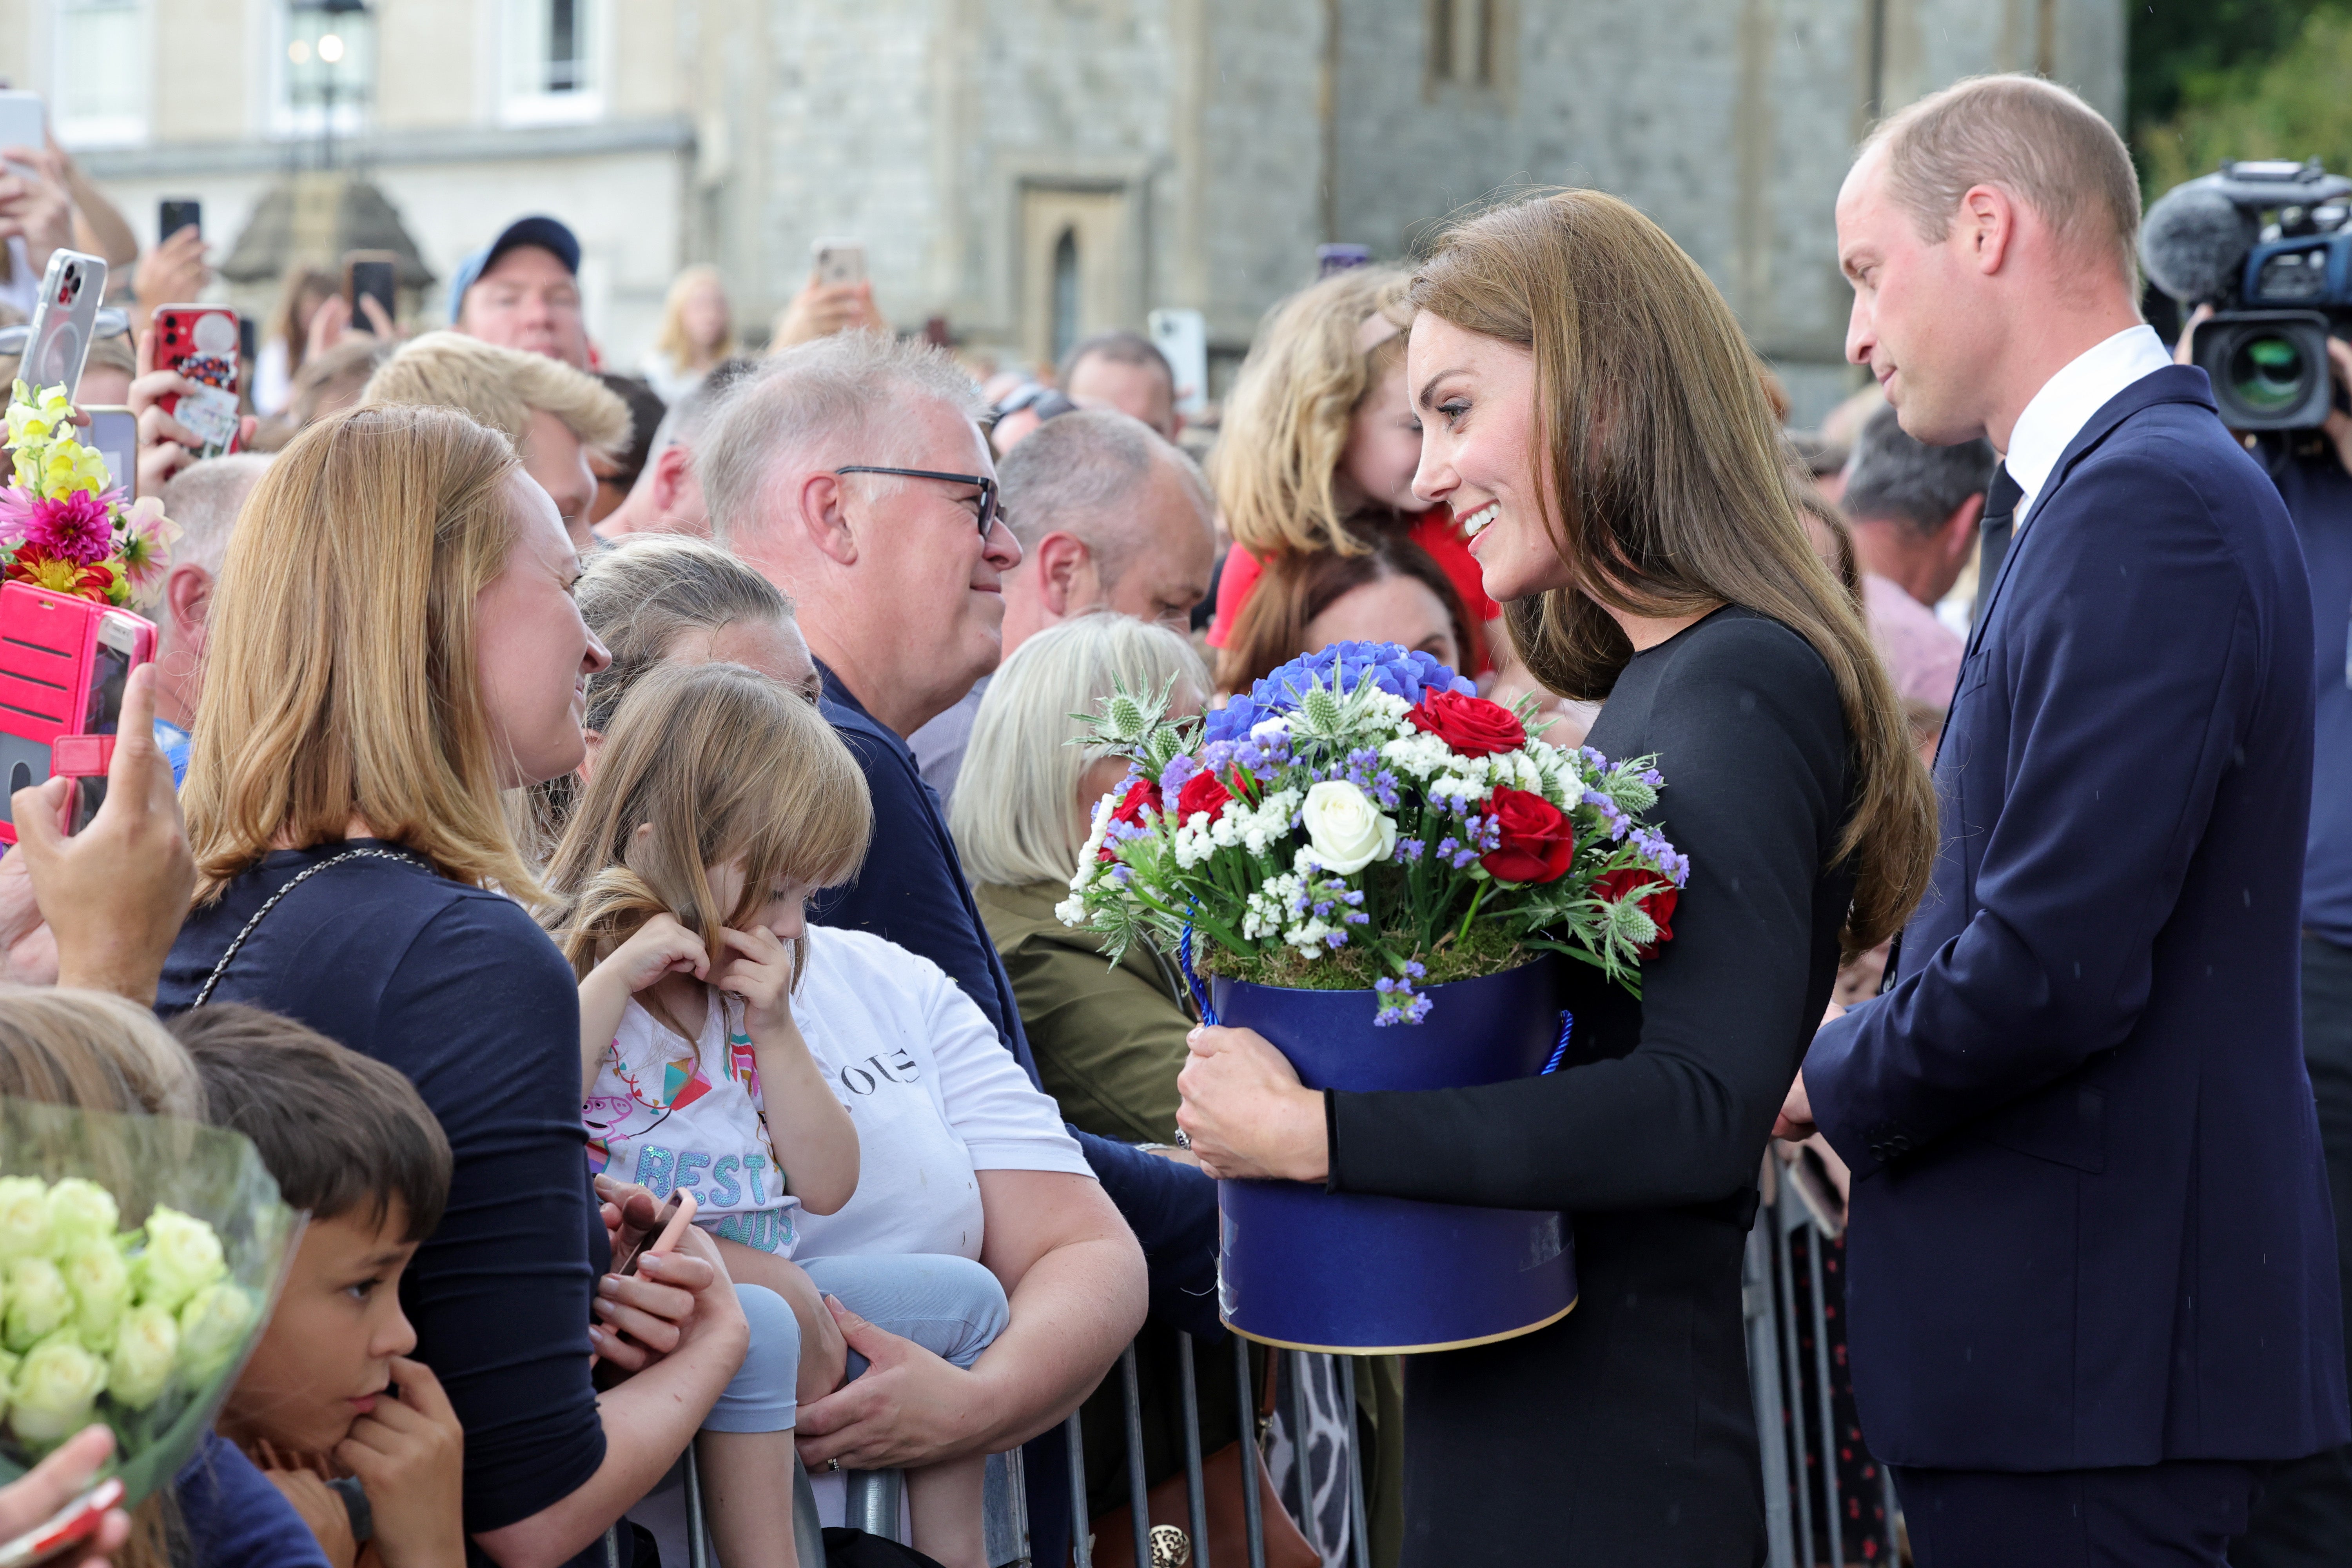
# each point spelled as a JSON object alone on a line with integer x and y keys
{"x": 2274, "y": 83}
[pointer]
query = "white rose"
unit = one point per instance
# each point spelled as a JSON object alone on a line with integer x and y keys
{"x": 23, "y": 1217}
{"x": 53, "y": 1389}
{"x": 212, "y": 1329}
{"x": 38, "y": 1303}
{"x": 1347, "y": 830}
{"x": 144, "y": 1351}
{"x": 182, "y": 1257}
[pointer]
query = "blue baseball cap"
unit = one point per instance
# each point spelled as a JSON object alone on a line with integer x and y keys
{"x": 550, "y": 234}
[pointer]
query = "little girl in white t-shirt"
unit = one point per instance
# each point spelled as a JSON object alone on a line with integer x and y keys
{"x": 717, "y": 803}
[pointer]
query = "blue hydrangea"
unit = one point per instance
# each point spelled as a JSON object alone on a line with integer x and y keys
{"x": 1401, "y": 672}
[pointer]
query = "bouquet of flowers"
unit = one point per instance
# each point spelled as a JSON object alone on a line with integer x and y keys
{"x": 1364, "y": 819}
{"x": 138, "y": 1259}
{"x": 62, "y": 527}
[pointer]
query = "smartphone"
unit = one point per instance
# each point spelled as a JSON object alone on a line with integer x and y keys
{"x": 63, "y": 662}
{"x": 669, "y": 1226}
{"x": 113, "y": 433}
{"x": 1182, "y": 337}
{"x": 371, "y": 274}
{"x": 839, "y": 261}
{"x": 173, "y": 213}
{"x": 65, "y": 1531}
{"x": 24, "y": 123}
{"x": 59, "y": 336}
{"x": 200, "y": 341}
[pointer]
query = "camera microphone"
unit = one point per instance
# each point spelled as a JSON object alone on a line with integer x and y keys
{"x": 2194, "y": 243}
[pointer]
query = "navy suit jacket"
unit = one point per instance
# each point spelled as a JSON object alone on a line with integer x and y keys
{"x": 2090, "y": 1224}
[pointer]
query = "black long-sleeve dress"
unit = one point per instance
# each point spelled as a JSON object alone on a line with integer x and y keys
{"x": 1625, "y": 1433}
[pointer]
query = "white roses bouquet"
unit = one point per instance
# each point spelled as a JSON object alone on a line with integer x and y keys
{"x": 1362, "y": 819}
{"x": 143, "y": 1326}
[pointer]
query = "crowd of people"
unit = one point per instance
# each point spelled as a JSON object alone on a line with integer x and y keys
{"x": 555, "y": 787}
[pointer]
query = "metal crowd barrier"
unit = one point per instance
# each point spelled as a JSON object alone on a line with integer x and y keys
{"x": 1796, "y": 1422}
{"x": 1796, "y": 1417}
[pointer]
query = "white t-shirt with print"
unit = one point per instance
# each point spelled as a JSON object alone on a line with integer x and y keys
{"x": 667, "y": 1115}
{"x": 933, "y": 1092}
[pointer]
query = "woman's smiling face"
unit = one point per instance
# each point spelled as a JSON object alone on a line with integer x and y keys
{"x": 1480, "y": 450}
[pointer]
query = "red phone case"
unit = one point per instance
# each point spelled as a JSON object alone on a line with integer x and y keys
{"x": 49, "y": 663}
{"x": 204, "y": 354}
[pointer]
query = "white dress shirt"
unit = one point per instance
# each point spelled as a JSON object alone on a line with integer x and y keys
{"x": 2066, "y": 402}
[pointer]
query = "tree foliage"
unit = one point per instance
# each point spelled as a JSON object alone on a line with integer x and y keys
{"x": 2241, "y": 79}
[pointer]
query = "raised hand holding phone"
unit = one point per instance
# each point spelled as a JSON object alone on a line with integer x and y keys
{"x": 113, "y": 894}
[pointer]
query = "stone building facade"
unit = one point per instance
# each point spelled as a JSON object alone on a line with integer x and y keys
{"x": 1021, "y": 170}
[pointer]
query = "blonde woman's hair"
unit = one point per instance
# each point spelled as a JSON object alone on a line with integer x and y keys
{"x": 98, "y": 1052}
{"x": 1288, "y": 417}
{"x": 500, "y": 387}
{"x": 724, "y": 765}
{"x": 1015, "y": 812}
{"x": 672, "y": 339}
{"x": 93, "y": 1051}
{"x": 340, "y": 675}
{"x": 1669, "y": 493}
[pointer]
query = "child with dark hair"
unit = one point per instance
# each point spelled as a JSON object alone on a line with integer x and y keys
{"x": 360, "y": 1437}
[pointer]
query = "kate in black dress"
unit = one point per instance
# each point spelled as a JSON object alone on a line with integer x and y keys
{"x": 1592, "y": 414}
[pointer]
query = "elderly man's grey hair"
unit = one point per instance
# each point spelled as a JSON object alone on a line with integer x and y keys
{"x": 203, "y": 499}
{"x": 1892, "y": 478}
{"x": 831, "y": 401}
{"x": 1076, "y": 474}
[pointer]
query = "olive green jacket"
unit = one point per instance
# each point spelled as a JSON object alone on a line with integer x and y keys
{"x": 1109, "y": 1040}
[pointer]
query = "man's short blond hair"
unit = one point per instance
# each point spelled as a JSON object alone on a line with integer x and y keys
{"x": 2028, "y": 137}
{"x": 500, "y": 387}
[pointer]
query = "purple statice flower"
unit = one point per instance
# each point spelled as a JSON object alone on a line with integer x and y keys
{"x": 1335, "y": 940}
{"x": 1447, "y": 847}
{"x": 1398, "y": 1002}
{"x": 1409, "y": 850}
{"x": 1619, "y": 823}
{"x": 1177, "y": 773}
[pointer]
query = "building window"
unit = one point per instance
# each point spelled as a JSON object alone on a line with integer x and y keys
{"x": 324, "y": 67}
{"x": 1461, "y": 42}
{"x": 553, "y": 66}
{"x": 1065, "y": 294}
{"x": 100, "y": 72}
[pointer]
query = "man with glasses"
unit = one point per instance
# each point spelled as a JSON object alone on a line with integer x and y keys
{"x": 852, "y": 473}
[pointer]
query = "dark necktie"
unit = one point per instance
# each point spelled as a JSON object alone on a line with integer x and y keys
{"x": 1993, "y": 531}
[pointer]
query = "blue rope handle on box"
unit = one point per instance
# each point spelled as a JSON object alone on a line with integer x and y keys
{"x": 1199, "y": 992}
{"x": 1559, "y": 1051}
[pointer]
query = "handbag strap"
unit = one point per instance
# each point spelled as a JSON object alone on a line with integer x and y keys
{"x": 229, "y": 953}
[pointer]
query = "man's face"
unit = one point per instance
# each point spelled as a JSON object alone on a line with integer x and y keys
{"x": 923, "y": 569}
{"x": 1914, "y": 323}
{"x": 1169, "y": 573}
{"x": 528, "y": 299}
{"x": 552, "y": 455}
{"x": 1139, "y": 391}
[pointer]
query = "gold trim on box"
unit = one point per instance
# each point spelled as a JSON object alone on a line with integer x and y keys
{"x": 1401, "y": 1349}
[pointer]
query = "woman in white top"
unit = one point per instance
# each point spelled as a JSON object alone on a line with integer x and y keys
{"x": 697, "y": 330}
{"x": 959, "y": 1153}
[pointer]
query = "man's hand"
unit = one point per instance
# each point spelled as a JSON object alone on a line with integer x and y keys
{"x": 172, "y": 273}
{"x": 1795, "y": 1121}
{"x": 2338, "y": 426}
{"x": 115, "y": 893}
{"x": 912, "y": 1408}
{"x": 821, "y": 310}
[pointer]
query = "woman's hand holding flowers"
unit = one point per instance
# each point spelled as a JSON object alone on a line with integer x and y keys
{"x": 1245, "y": 1111}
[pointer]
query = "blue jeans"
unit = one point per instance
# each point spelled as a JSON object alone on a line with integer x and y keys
{"x": 949, "y": 1306}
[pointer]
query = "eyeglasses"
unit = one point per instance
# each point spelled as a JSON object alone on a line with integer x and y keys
{"x": 987, "y": 487}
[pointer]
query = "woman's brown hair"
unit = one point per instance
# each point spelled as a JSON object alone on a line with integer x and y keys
{"x": 722, "y": 763}
{"x": 1669, "y": 494}
{"x": 1271, "y": 630}
{"x": 339, "y": 679}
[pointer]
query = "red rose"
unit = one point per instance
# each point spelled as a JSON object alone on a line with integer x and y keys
{"x": 1471, "y": 725}
{"x": 1201, "y": 792}
{"x": 1140, "y": 794}
{"x": 1659, "y": 906}
{"x": 1537, "y": 840}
